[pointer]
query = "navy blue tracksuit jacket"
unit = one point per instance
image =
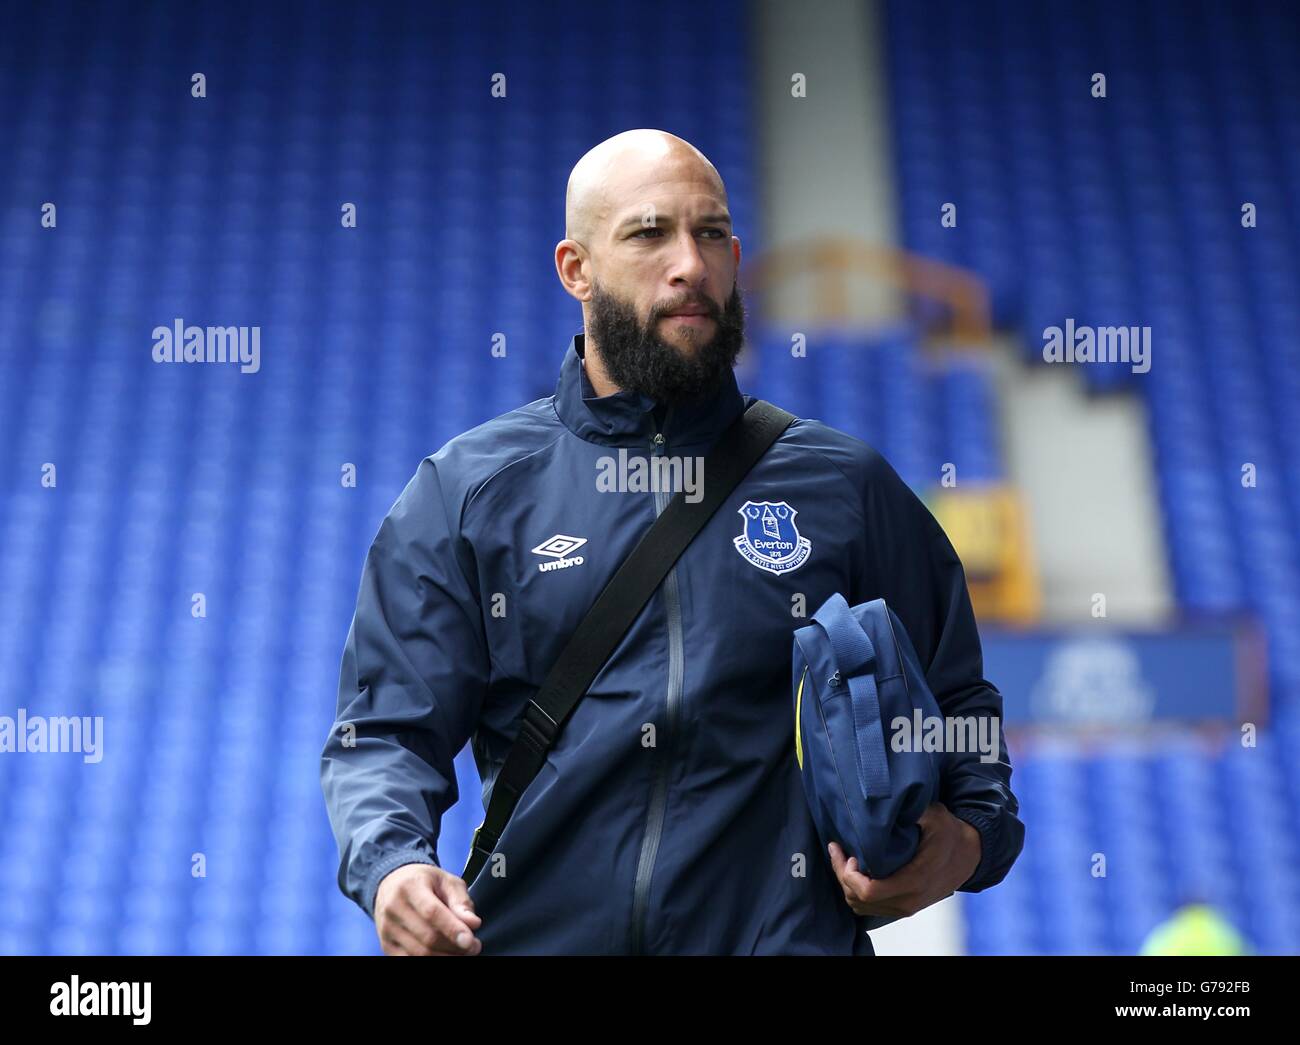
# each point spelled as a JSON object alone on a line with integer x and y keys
{"x": 669, "y": 817}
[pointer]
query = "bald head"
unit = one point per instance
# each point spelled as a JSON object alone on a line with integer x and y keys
{"x": 628, "y": 171}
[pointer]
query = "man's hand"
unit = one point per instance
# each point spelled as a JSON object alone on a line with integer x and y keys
{"x": 423, "y": 910}
{"x": 946, "y": 857}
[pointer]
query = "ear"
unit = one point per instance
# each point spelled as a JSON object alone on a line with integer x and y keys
{"x": 573, "y": 268}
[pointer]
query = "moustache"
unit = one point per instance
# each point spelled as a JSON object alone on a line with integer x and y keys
{"x": 708, "y": 308}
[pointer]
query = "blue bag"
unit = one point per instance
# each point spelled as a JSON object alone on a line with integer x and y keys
{"x": 855, "y": 671}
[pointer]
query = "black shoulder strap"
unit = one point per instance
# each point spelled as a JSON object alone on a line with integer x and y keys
{"x": 737, "y": 451}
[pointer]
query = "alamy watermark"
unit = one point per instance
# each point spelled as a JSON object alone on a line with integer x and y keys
{"x": 654, "y": 474}
{"x": 181, "y": 344}
{"x": 93, "y": 998}
{"x": 36, "y": 734}
{"x": 958, "y": 733}
{"x": 1084, "y": 344}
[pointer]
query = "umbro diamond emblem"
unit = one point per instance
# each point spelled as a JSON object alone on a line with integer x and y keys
{"x": 559, "y": 548}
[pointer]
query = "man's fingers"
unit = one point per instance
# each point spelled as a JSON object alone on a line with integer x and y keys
{"x": 872, "y": 895}
{"x": 842, "y": 863}
{"x": 439, "y": 920}
{"x": 846, "y": 870}
{"x": 425, "y": 910}
{"x": 397, "y": 941}
{"x": 433, "y": 931}
{"x": 454, "y": 892}
{"x": 406, "y": 918}
{"x": 450, "y": 950}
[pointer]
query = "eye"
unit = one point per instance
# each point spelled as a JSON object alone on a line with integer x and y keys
{"x": 649, "y": 228}
{"x": 719, "y": 233}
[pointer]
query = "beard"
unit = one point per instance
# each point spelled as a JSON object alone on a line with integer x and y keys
{"x": 638, "y": 360}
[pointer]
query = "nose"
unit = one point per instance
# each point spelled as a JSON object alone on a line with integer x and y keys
{"x": 687, "y": 267}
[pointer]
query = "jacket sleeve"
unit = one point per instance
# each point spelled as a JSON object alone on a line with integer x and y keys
{"x": 912, "y": 565}
{"x": 413, "y": 677}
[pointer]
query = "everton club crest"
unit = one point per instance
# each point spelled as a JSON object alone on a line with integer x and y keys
{"x": 770, "y": 540}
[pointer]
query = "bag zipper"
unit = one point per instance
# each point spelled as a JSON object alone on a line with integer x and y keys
{"x": 798, "y": 709}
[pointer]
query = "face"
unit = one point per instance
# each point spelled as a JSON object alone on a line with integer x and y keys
{"x": 670, "y": 253}
{"x": 658, "y": 277}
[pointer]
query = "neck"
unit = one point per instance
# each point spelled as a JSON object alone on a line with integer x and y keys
{"x": 594, "y": 367}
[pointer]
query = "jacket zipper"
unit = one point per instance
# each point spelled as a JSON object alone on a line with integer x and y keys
{"x": 659, "y": 794}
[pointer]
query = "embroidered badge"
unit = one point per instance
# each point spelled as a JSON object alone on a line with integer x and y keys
{"x": 770, "y": 540}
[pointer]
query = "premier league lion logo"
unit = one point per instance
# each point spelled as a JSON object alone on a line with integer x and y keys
{"x": 770, "y": 540}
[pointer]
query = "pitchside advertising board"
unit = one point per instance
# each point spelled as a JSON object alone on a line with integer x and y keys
{"x": 1102, "y": 676}
{"x": 1095, "y": 674}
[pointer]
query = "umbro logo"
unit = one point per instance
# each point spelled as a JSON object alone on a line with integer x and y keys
{"x": 559, "y": 547}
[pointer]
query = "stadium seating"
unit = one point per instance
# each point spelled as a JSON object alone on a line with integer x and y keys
{"x": 1127, "y": 210}
{"x": 176, "y": 479}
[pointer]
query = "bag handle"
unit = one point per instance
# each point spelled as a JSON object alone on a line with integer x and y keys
{"x": 737, "y": 450}
{"x": 855, "y": 662}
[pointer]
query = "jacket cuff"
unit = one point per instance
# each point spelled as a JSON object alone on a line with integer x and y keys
{"x": 387, "y": 864}
{"x": 987, "y": 828}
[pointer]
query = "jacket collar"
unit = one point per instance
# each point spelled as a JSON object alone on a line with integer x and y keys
{"x": 627, "y": 418}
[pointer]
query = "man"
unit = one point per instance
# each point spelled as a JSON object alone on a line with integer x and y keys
{"x": 669, "y": 816}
